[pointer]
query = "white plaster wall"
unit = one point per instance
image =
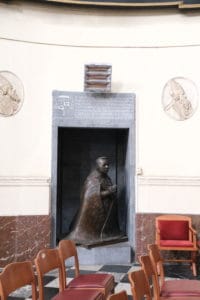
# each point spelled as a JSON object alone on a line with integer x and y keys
{"x": 162, "y": 194}
{"x": 24, "y": 196}
{"x": 47, "y": 47}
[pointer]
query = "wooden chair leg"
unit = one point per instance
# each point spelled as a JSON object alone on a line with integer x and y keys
{"x": 194, "y": 267}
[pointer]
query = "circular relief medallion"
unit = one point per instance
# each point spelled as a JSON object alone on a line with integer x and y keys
{"x": 180, "y": 98}
{"x": 11, "y": 93}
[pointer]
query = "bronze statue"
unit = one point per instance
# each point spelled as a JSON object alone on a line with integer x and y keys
{"x": 97, "y": 218}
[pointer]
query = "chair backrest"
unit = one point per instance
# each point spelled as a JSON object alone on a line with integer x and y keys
{"x": 67, "y": 249}
{"x": 151, "y": 274}
{"x": 173, "y": 227}
{"x": 16, "y": 275}
{"x": 139, "y": 285}
{"x": 46, "y": 261}
{"x": 157, "y": 261}
{"x": 122, "y": 295}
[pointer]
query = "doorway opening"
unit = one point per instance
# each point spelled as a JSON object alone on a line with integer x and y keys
{"x": 78, "y": 149}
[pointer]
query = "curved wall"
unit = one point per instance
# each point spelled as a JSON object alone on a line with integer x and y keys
{"x": 46, "y": 46}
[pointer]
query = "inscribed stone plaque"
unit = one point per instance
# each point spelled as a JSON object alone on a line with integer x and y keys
{"x": 94, "y": 108}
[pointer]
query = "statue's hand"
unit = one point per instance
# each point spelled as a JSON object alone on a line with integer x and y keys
{"x": 113, "y": 189}
{"x": 110, "y": 191}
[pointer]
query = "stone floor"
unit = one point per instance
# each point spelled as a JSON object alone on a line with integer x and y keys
{"x": 119, "y": 272}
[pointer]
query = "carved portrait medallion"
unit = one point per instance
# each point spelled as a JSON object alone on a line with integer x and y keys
{"x": 11, "y": 94}
{"x": 180, "y": 98}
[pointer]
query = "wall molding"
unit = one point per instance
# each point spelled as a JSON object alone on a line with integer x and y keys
{"x": 24, "y": 181}
{"x": 168, "y": 181}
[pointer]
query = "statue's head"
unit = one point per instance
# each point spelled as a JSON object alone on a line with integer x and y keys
{"x": 102, "y": 164}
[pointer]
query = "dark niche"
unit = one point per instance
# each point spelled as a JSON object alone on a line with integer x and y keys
{"x": 78, "y": 149}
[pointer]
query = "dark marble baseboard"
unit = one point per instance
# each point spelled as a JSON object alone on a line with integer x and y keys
{"x": 21, "y": 237}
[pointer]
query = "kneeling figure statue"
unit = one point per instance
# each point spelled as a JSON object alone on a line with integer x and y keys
{"x": 97, "y": 218}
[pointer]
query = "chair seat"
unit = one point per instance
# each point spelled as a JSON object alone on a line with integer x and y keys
{"x": 100, "y": 280}
{"x": 181, "y": 298}
{"x": 176, "y": 243}
{"x": 181, "y": 287}
{"x": 78, "y": 294}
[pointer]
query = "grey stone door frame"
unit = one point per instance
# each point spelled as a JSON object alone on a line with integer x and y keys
{"x": 95, "y": 110}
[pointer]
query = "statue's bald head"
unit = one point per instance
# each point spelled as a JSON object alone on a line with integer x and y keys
{"x": 100, "y": 159}
{"x": 102, "y": 164}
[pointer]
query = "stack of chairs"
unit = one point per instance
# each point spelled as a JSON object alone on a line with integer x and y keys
{"x": 177, "y": 287}
{"x": 48, "y": 260}
{"x": 149, "y": 282}
{"x": 81, "y": 287}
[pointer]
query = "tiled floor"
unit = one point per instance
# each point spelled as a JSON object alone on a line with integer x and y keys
{"x": 119, "y": 272}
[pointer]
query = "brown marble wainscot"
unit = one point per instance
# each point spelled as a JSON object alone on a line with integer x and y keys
{"x": 21, "y": 237}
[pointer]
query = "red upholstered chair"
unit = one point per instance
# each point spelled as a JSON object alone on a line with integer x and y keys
{"x": 179, "y": 287}
{"x": 157, "y": 292}
{"x": 102, "y": 281}
{"x": 175, "y": 233}
{"x": 16, "y": 275}
{"x": 122, "y": 295}
{"x": 72, "y": 294}
{"x": 48, "y": 260}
